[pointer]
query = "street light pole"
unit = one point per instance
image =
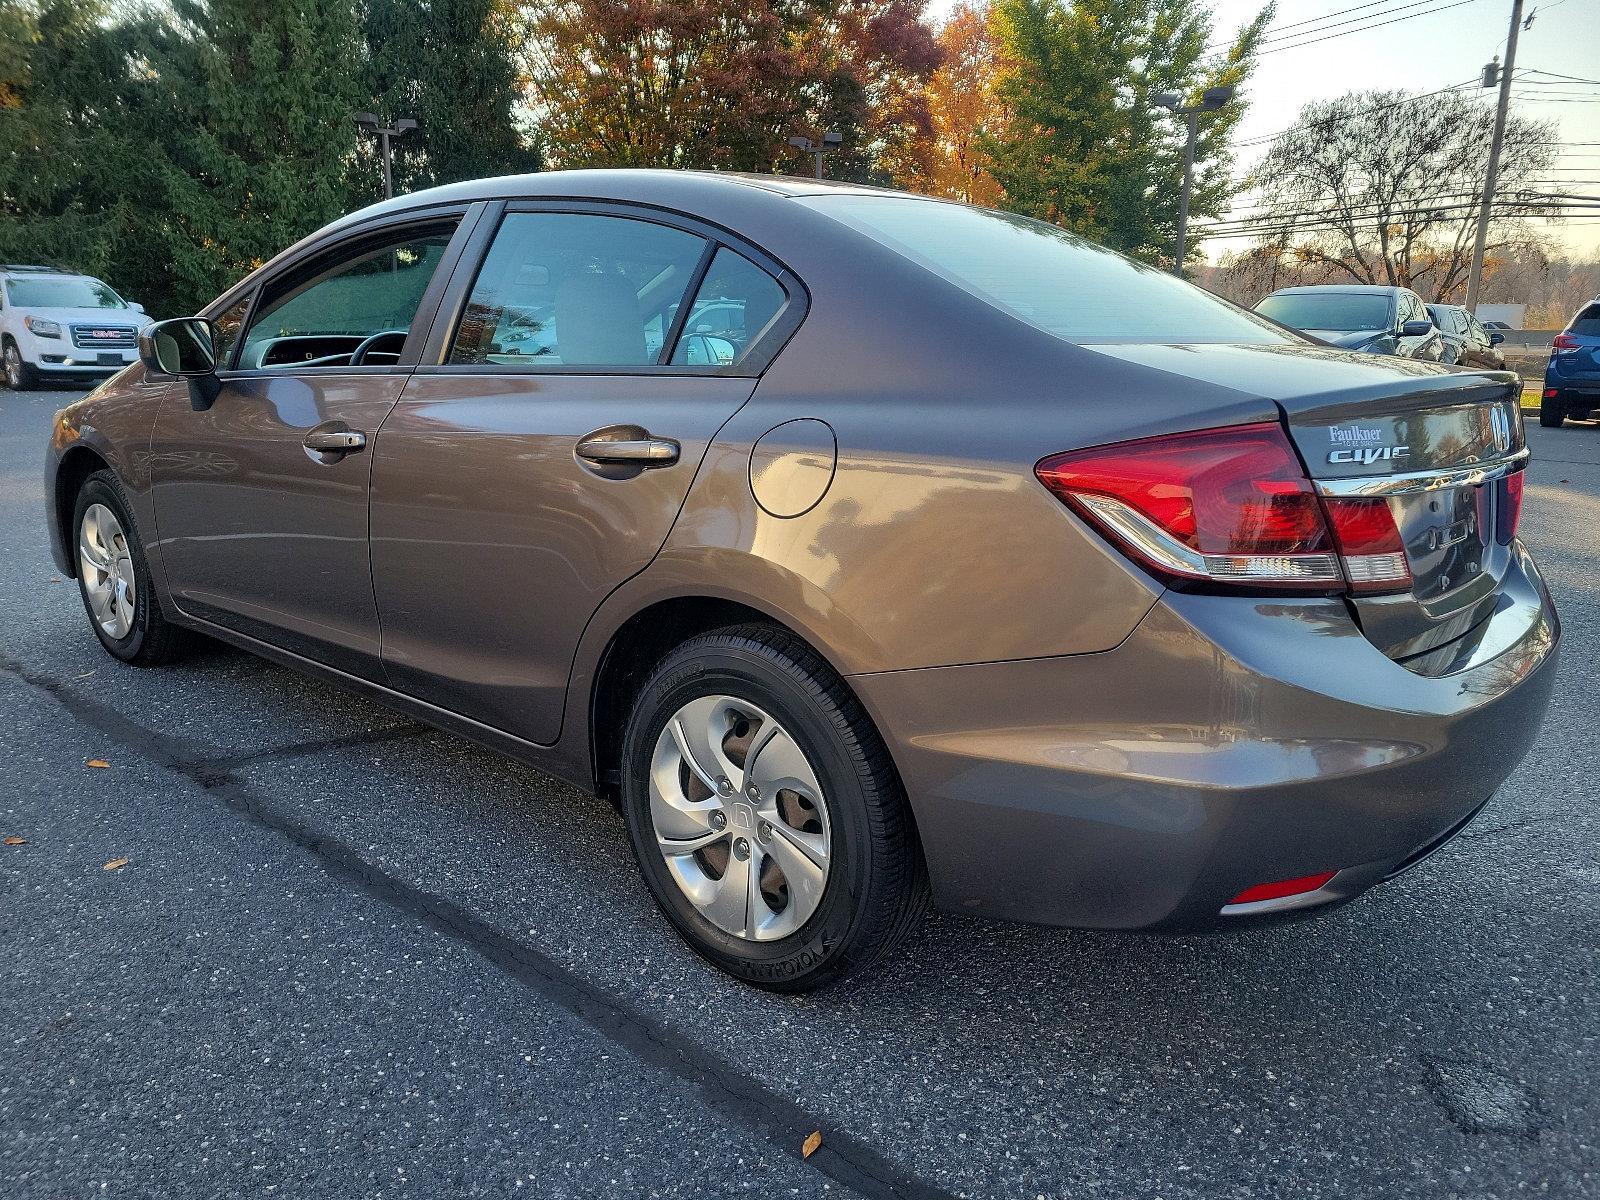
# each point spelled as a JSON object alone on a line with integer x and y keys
{"x": 371, "y": 124}
{"x": 1491, "y": 176}
{"x": 1210, "y": 100}
{"x": 819, "y": 150}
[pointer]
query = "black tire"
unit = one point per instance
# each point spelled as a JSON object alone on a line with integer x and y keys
{"x": 19, "y": 376}
{"x": 876, "y": 889}
{"x": 1552, "y": 411}
{"x": 151, "y": 639}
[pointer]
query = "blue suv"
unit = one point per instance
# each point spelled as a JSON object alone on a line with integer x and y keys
{"x": 1572, "y": 380}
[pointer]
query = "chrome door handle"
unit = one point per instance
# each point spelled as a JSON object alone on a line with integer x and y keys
{"x": 335, "y": 441}
{"x": 634, "y": 452}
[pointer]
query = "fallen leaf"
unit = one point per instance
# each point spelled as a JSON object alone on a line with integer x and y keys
{"x": 14, "y": 840}
{"x": 809, "y": 1147}
{"x": 97, "y": 763}
{"x": 116, "y": 864}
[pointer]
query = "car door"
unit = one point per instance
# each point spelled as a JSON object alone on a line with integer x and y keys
{"x": 539, "y": 456}
{"x": 261, "y": 497}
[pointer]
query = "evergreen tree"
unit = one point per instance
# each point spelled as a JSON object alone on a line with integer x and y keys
{"x": 1084, "y": 147}
{"x": 452, "y": 66}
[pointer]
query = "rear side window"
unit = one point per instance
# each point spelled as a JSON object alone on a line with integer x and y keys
{"x": 576, "y": 289}
{"x": 1053, "y": 279}
{"x": 736, "y": 301}
{"x": 1587, "y": 322}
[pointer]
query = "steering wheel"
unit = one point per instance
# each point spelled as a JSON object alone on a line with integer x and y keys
{"x": 359, "y": 354}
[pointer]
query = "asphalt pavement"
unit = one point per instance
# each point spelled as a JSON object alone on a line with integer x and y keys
{"x": 348, "y": 955}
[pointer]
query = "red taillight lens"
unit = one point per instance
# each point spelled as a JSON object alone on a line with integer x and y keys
{"x": 1225, "y": 505}
{"x": 1564, "y": 341}
{"x": 1283, "y": 887}
{"x": 1369, "y": 541}
{"x": 1510, "y": 508}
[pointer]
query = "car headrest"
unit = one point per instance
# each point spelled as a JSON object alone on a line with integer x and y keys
{"x": 598, "y": 321}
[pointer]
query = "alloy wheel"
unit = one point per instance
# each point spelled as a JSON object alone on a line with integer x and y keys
{"x": 105, "y": 564}
{"x": 13, "y": 367}
{"x": 740, "y": 818}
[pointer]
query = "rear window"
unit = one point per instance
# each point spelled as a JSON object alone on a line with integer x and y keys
{"x": 1050, "y": 278}
{"x": 1587, "y": 322}
{"x": 1346, "y": 312}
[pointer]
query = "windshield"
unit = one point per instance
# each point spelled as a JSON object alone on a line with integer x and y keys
{"x": 1050, "y": 278}
{"x": 1328, "y": 310}
{"x": 59, "y": 292}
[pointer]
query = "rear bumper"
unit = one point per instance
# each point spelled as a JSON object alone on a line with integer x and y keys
{"x": 1227, "y": 742}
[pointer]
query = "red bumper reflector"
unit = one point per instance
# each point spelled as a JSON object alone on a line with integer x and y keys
{"x": 1282, "y": 888}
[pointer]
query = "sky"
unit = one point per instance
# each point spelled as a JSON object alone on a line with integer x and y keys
{"x": 1424, "y": 45}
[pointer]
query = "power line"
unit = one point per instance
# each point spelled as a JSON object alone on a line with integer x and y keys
{"x": 1363, "y": 29}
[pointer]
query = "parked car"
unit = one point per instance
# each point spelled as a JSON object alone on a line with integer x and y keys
{"x": 1572, "y": 378}
{"x": 1466, "y": 340}
{"x": 1375, "y": 320}
{"x": 971, "y": 560}
{"x": 55, "y": 323}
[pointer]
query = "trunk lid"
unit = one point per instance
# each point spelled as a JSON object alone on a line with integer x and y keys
{"x": 1435, "y": 444}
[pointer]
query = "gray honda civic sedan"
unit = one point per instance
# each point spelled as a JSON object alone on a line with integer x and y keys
{"x": 866, "y": 549}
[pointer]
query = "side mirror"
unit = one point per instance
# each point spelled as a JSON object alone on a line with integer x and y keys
{"x": 138, "y": 308}
{"x": 1496, "y": 337}
{"x": 704, "y": 350}
{"x": 184, "y": 347}
{"x": 1416, "y": 329}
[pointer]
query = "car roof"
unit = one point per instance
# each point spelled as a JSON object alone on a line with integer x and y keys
{"x": 1354, "y": 288}
{"x": 666, "y": 188}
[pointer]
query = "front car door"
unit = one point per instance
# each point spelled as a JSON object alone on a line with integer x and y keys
{"x": 540, "y": 455}
{"x": 261, "y": 498}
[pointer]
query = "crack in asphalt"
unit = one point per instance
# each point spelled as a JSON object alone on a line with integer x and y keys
{"x": 742, "y": 1100}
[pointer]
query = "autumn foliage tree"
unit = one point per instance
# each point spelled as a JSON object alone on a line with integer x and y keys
{"x": 964, "y": 110}
{"x": 725, "y": 83}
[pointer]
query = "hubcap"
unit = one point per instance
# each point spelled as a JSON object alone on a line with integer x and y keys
{"x": 739, "y": 818}
{"x": 106, "y": 568}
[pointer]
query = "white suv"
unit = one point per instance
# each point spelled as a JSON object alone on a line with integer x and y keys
{"x": 56, "y": 323}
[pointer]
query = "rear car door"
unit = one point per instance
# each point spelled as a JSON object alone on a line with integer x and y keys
{"x": 542, "y": 450}
{"x": 261, "y": 498}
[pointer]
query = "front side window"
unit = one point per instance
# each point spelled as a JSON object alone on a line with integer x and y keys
{"x": 227, "y": 324}
{"x": 1050, "y": 278}
{"x": 354, "y": 309}
{"x": 736, "y": 301}
{"x": 63, "y": 292}
{"x": 576, "y": 290}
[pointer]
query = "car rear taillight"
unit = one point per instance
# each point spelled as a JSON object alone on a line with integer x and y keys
{"x": 1564, "y": 342}
{"x": 1369, "y": 541}
{"x": 1510, "y": 508}
{"x": 1228, "y": 506}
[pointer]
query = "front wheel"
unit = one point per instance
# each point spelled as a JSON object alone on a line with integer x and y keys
{"x": 1552, "y": 411}
{"x": 114, "y": 579}
{"x": 765, "y": 814}
{"x": 20, "y": 376}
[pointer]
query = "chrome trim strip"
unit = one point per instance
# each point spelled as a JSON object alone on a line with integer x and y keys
{"x": 1422, "y": 481}
{"x": 1284, "y": 903}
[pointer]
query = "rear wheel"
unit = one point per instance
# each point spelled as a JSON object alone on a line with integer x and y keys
{"x": 1551, "y": 411}
{"x": 114, "y": 578}
{"x": 765, "y": 814}
{"x": 20, "y": 376}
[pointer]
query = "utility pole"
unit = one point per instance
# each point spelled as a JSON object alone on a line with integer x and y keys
{"x": 1210, "y": 100}
{"x": 371, "y": 124}
{"x": 1475, "y": 274}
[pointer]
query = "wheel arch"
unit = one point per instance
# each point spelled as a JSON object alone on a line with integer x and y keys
{"x": 77, "y": 464}
{"x": 642, "y": 640}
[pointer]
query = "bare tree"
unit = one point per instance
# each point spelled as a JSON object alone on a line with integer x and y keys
{"x": 1380, "y": 187}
